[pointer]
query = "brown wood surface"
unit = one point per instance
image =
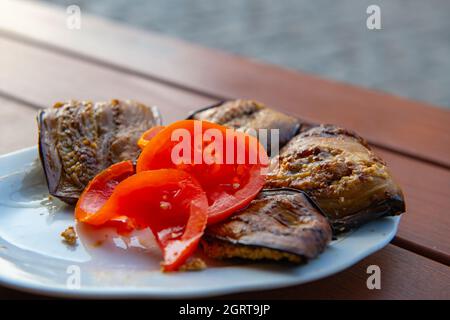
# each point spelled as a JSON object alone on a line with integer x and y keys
{"x": 383, "y": 119}
{"x": 426, "y": 186}
{"x": 18, "y": 128}
{"x": 404, "y": 275}
{"x": 42, "y": 62}
{"x": 425, "y": 228}
{"x": 59, "y": 78}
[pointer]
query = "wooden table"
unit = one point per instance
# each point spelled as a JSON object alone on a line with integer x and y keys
{"x": 42, "y": 61}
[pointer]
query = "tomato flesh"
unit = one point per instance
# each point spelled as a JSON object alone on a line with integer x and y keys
{"x": 168, "y": 201}
{"x": 148, "y": 135}
{"x": 176, "y": 190}
{"x": 99, "y": 190}
{"x": 227, "y": 175}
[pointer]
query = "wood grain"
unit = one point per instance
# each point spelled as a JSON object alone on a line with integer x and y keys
{"x": 404, "y": 275}
{"x": 59, "y": 77}
{"x": 383, "y": 119}
{"x": 17, "y": 126}
{"x": 426, "y": 225}
{"x": 41, "y": 78}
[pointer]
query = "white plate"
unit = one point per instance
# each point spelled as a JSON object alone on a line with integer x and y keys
{"x": 33, "y": 258}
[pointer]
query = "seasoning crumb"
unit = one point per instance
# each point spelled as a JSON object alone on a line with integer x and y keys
{"x": 69, "y": 235}
{"x": 194, "y": 264}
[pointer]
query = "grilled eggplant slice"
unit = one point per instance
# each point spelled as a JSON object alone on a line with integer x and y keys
{"x": 280, "y": 224}
{"x": 245, "y": 115}
{"x": 78, "y": 139}
{"x": 341, "y": 173}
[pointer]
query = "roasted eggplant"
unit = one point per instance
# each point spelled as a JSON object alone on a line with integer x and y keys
{"x": 78, "y": 139}
{"x": 280, "y": 224}
{"x": 341, "y": 173}
{"x": 246, "y": 115}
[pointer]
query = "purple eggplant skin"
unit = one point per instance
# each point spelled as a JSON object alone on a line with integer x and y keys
{"x": 337, "y": 168}
{"x": 279, "y": 224}
{"x": 244, "y": 115}
{"x": 79, "y": 139}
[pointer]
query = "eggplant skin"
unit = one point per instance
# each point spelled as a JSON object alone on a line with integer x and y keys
{"x": 78, "y": 139}
{"x": 340, "y": 172}
{"x": 279, "y": 224}
{"x": 245, "y": 115}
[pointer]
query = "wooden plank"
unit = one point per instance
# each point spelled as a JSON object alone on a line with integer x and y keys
{"x": 425, "y": 228}
{"x": 17, "y": 126}
{"x": 58, "y": 77}
{"x": 41, "y": 78}
{"x": 404, "y": 275}
{"x": 401, "y": 125}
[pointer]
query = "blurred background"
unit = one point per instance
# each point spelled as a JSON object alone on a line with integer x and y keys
{"x": 409, "y": 56}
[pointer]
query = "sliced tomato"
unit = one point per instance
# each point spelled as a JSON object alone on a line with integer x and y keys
{"x": 99, "y": 190}
{"x": 170, "y": 202}
{"x": 123, "y": 225}
{"x": 228, "y": 164}
{"x": 148, "y": 135}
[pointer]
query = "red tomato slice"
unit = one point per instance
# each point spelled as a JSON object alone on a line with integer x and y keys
{"x": 98, "y": 192}
{"x": 228, "y": 175}
{"x": 148, "y": 135}
{"x": 123, "y": 225}
{"x": 170, "y": 202}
